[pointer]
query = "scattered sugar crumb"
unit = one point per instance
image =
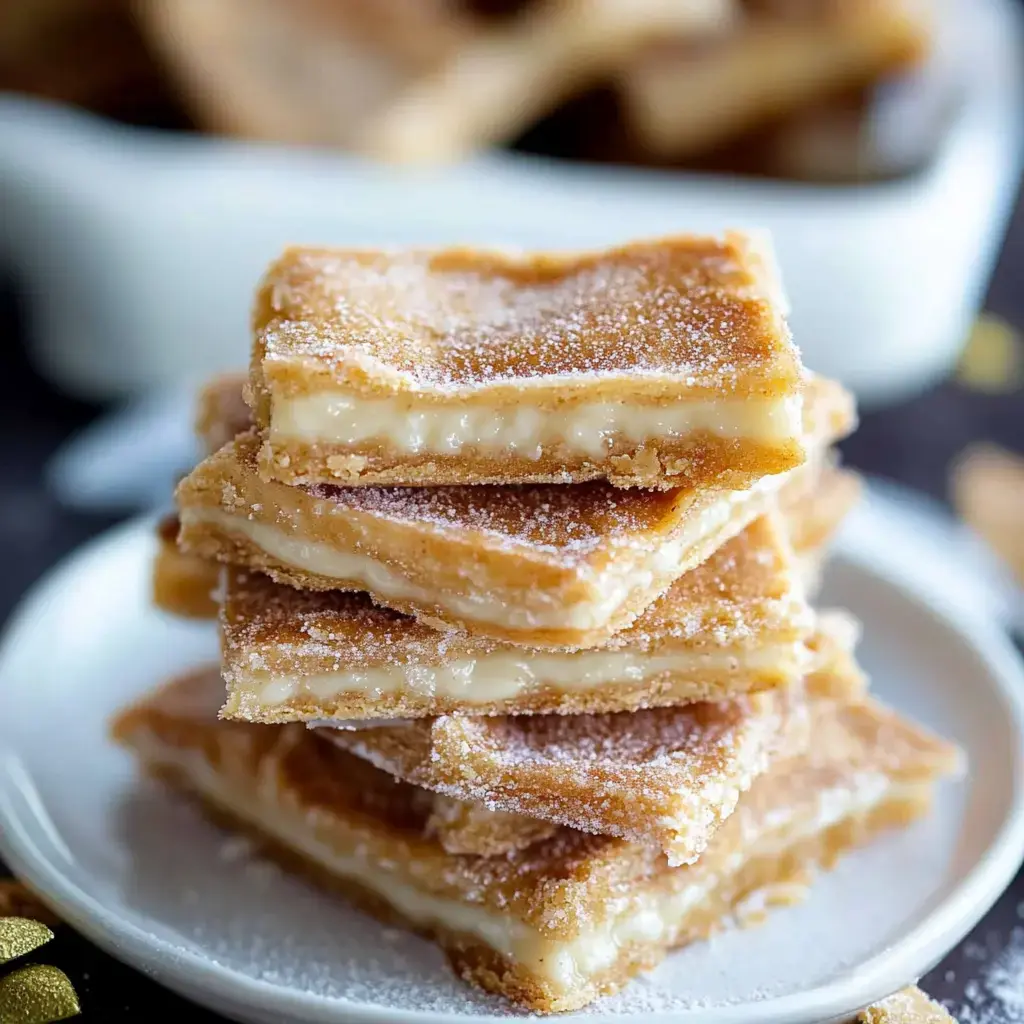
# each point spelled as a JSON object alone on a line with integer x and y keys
{"x": 997, "y": 996}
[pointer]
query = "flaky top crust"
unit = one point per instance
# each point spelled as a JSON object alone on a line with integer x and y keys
{"x": 678, "y": 317}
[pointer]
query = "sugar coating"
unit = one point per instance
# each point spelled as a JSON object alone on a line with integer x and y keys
{"x": 702, "y": 310}
{"x": 666, "y": 777}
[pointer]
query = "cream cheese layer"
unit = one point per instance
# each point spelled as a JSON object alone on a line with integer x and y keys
{"x": 586, "y": 429}
{"x": 505, "y": 676}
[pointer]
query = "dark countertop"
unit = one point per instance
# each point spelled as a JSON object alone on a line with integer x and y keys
{"x": 912, "y": 444}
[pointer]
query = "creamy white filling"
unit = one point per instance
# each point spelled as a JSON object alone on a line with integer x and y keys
{"x": 657, "y": 917}
{"x": 503, "y": 676}
{"x": 537, "y": 608}
{"x": 588, "y": 428}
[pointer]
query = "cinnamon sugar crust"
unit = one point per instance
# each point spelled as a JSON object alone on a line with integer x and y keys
{"x": 666, "y": 777}
{"x": 737, "y": 622}
{"x": 650, "y": 365}
{"x": 548, "y": 926}
{"x": 457, "y": 320}
{"x": 539, "y": 565}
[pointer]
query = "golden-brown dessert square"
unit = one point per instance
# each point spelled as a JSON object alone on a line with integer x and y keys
{"x": 572, "y": 916}
{"x": 655, "y": 364}
{"x": 539, "y": 565}
{"x": 664, "y": 777}
{"x": 737, "y": 623}
{"x": 485, "y": 830}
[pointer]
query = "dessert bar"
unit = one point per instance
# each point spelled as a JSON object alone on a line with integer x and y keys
{"x": 655, "y": 364}
{"x": 665, "y": 777}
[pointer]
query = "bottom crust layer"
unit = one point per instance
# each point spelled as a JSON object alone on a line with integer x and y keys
{"x": 782, "y": 878}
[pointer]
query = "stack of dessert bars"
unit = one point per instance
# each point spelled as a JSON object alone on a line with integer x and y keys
{"x": 534, "y": 536}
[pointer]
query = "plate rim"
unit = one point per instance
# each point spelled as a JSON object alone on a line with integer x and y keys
{"x": 194, "y": 976}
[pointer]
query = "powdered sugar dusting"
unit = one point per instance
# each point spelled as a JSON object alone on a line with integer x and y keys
{"x": 692, "y": 308}
{"x": 666, "y": 777}
{"x": 568, "y": 520}
{"x": 997, "y": 997}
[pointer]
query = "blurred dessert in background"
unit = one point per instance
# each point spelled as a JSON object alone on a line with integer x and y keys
{"x": 401, "y": 81}
{"x": 783, "y": 57}
{"x": 89, "y": 53}
{"x": 812, "y": 89}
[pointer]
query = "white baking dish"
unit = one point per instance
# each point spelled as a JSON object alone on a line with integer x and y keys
{"x": 139, "y": 250}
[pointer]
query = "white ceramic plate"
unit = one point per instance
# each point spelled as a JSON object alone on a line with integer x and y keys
{"x": 142, "y": 875}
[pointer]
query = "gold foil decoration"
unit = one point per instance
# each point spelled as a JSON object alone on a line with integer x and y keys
{"x": 38, "y": 994}
{"x": 19, "y": 936}
{"x": 993, "y": 358}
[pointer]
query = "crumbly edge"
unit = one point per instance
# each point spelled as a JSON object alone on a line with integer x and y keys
{"x": 908, "y": 1006}
{"x": 479, "y": 964}
{"x": 699, "y": 458}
